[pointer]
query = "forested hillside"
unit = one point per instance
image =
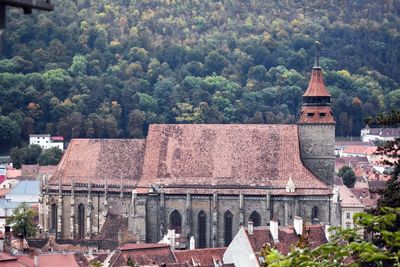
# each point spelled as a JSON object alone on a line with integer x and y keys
{"x": 108, "y": 68}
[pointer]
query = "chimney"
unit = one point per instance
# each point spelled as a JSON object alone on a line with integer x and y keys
{"x": 36, "y": 261}
{"x": 171, "y": 238}
{"x": 192, "y": 243}
{"x": 326, "y": 230}
{"x": 250, "y": 227}
{"x": 298, "y": 225}
{"x": 273, "y": 228}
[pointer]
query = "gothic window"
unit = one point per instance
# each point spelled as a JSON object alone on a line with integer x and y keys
{"x": 175, "y": 221}
{"x": 228, "y": 219}
{"x": 255, "y": 218}
{"x": 81, "y": 221}
{"x": 314, "y": 213}
{"x": 53, "y": 218}
{"x": 202, "y": 222}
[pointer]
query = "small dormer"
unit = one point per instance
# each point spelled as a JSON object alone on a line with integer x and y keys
{"x": 290, "y": 187}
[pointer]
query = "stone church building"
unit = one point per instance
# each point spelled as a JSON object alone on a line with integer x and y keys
{"x": 202, "y": 180}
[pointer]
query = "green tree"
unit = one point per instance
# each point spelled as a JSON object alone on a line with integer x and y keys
{"x": 50, "y": 156}
{"x": 25, "y": 155}
{"x": 347, "y": 247}
{"x": 9, "y": 132}
{"x": 23, "y": 220}
{"x": 348, "y": 176}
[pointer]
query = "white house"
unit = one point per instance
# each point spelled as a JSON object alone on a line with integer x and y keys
{"x": 349, "y": 205}
{"x": 45, "y": 141}
{"x": 382, "y": 134}
{"x": 245, "y": 248}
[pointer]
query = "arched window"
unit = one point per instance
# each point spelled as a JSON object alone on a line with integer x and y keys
{"x": 314, "y": 213}
{"x": 228, "y": 219}
{"x": 202, "y": 222}
{"x": 53, "y": 218}
{"x": 81, "y": 221}
{"x": 255, "y": 218}
{"x": 175, "y": 221}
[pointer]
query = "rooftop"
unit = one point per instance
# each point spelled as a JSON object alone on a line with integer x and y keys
{"x": 348, "y": 199}
{"x": 231, "y": 156}
{"x": 101, "y": 161}
{"x": 287, "y": 237}
{"x": 26, "y": 187}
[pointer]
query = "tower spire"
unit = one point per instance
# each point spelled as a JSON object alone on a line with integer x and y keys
{"x": 316, "y": 59}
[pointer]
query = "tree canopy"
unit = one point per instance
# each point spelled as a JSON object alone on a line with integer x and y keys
{"x": 105, "y": 69}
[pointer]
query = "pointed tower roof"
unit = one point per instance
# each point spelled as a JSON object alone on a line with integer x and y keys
{"x": 316, "y": 99}
{"x": 316, "y": 87}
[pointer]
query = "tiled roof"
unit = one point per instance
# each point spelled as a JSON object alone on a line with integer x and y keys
{"x": 352, "y": 143}
{"x": 101, "y": 161}
{"x": 316, "y": 86}
{"x": 143, "y": 254}
{"x": 11, "y": 174}
{"x": 351, "y": 160}
{"x": 385, "y": 132}
{"x": 377, "y": 185}
{"x": 30, "y": 169}
{"x": 361, "y": 150}
{"x": 4, "y": 191}
{"x": 201, "y": 257}
{"x": 57, "y": 138}
{"x": 321, "y": 114}
{"x": 235, "y": 156}
{"x": 26, "y": 187}
{"x": 48, "y": 169}
{"x": 348, "y": 199}
{"x": 51, "y": 260}
{"x": 287, "y": 238}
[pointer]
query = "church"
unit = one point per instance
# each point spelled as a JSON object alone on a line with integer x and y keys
{"x": 202, "y": 180}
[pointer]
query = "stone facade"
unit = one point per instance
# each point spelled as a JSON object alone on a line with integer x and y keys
{"x": 317, "y": 143}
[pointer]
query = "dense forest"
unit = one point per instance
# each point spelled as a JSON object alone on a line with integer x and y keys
{"x": 107, "y": 69}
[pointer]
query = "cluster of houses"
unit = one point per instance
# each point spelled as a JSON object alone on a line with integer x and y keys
{"x": 371, "y": 169}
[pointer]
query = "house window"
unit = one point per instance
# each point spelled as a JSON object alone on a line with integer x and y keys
{"x": 255, "y": 218}
{"x": 348, "y": 215}
{"x": 53, "y": 218}
{"x": 228, "y": 219}
{"x": 175, "y": 221}
{"x": 202, "y": 221}
{"x": 314, "y": 213}
{"x": 348, "y": 225}
{"x": 310, "y": 114}
{"x": 322, "y": 114}
{"x": 81, "y": 221}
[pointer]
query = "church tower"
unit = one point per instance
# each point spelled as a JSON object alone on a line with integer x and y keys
{"x": 317, "y": 126}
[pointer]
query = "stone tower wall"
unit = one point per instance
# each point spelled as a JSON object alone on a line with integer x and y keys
{"x": 317, "y": 146}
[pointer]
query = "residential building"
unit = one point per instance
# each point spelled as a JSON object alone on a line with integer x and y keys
{"x": 245, "y": 248}
{"x": 349, "y": 205}
{"x": 46, "y": 141}
{"x": 379, "y": 134}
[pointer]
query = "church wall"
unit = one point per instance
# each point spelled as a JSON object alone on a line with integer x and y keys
{"x": 66, "y": 215}
{"x": 226, "y": 203}
{"x": 317, "y": 143}
{"x": 202, "y": 203}
{"x": 256, "y": 204}
{"x": 153, "y": 220}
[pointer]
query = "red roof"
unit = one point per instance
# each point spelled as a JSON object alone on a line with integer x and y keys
{"x": 143, "y": 254}
{"x": 50, "y": 260}
{"x": 57, "y": 138}
{"x": 316, "y": 87}
{"x": 201, "y": 257}
{"x": 287, "y": 238}
{"x": 227, "y": 156}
